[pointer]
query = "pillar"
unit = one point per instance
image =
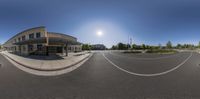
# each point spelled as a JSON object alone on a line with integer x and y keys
{"x": 66, "y": 50}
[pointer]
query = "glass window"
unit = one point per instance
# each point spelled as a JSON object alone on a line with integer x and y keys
{"x": 38, "y": 35}
{"x": 31, "y": 36}
{"x": 23, "y": 38}
{"x": 19, "y": 39}
{"x": 39, "y": 47}
{"x": 24, "y": 48}
{"x": 30, "y": 47}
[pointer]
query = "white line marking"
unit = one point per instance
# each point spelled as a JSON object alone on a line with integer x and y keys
{"x": 149, "y": 75}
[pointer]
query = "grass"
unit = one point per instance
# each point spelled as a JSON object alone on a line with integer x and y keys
{"x": 131, "y": 51}
{"x": 162, "y": 51}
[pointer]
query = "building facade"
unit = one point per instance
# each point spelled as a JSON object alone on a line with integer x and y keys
{"x": 38, "y": 41}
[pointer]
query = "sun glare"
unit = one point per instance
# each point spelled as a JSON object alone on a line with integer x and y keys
{"x": 99, "y": 33}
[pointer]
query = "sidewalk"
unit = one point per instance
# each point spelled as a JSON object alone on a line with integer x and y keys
{"x": 48, "y": 65}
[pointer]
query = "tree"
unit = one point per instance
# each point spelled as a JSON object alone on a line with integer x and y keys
{"x": 114, "y": 47}
{"x": 128, "y": 46}
{"x": 134, "y": 46}
{"x": 86, "y": 47}
{"x": 169, "y": 45}
{"x": 122, "y": 46}
{"x": 143, "y": 46}
{"x": 199, "y": 44}
{"x": 0, "y": 46}
{"x": 179, "y": 46}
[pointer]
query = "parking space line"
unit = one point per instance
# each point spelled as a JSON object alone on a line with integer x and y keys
{"x": 149, "y": 75}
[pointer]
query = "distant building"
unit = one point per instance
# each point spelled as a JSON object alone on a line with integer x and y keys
{"x": 40, "y": 42}
{"x": 98, "y": 47}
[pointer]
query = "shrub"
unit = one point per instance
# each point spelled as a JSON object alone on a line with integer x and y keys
{"x": 161, "y": 51}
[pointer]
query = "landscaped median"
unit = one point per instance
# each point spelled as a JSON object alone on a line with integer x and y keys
{"x": 48, "y": 65}
{"x": 157, "y": 51}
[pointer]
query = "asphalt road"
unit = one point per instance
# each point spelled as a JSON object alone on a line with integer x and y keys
{"x": 99, "y": 79}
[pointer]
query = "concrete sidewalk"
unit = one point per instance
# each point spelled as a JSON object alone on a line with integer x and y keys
{"x": 48, "y": 65}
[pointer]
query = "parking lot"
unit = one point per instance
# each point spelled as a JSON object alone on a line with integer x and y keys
{"x": 111, "y": 75}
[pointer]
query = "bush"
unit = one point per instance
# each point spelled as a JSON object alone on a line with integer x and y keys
{"x": 161, "y": 51}
{"x": 132, "y": 52}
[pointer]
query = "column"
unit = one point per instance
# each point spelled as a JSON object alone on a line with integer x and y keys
{"x": 66, "y": 50}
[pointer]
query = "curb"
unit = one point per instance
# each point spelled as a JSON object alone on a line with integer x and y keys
{"x": 50, "y": 70}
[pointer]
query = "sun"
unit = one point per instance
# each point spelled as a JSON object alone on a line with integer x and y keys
{"x": 99, "y": 33}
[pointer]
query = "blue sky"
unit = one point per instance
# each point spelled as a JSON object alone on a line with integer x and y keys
{"x": 146, "y": 21}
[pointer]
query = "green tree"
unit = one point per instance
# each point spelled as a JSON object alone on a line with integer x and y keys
{"x": 143, "y": 46}
{"x": 0, "y": 46}
{"x": 169, "y": 45}
{"x": 128, "y": 46}
{"x": 185, "y": 46}
{"x": 86, "y": 47}
{"x": 122, "y": 46}
{"x": 134, "y": 46}
{"x": 199, "y": 44}
{"x": 179, "y": 46}
{"x": 114, "y": 47}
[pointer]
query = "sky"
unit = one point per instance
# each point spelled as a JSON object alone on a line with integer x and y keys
{"x": 151, "y": 22}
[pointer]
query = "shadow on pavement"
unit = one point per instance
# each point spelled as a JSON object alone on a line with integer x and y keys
{"x": 41, "y": 57}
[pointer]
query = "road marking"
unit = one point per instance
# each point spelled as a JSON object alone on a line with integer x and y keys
{"x": 163, "y": 57}
{"x": 149, "y": 75}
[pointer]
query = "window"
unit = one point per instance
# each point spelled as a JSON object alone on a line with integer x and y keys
{"x": 38, "y": 35}
{"x": 31, "y": 36}
{"x": 19, "y": 39}
{"x": 30, "y": 47}
{"x": 39, "y": 47}
{"x": 24, "y": 48}
{"x": 23, "y": 38}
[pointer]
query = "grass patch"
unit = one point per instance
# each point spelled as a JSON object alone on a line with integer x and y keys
{"x": 131, "y": 51}
{"x": 162, "y": 51}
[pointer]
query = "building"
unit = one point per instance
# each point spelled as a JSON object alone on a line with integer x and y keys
{"x": 98, "y": 47}
{"x": 38, "y": 41}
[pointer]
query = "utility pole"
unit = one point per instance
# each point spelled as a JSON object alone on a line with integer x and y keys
{"x": 128, "y": 43}
{"x": 131, "y": 41}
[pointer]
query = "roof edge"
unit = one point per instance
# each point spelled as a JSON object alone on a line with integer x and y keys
{"x": 61, "y": 34}
{"x": 24, "y": 31}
